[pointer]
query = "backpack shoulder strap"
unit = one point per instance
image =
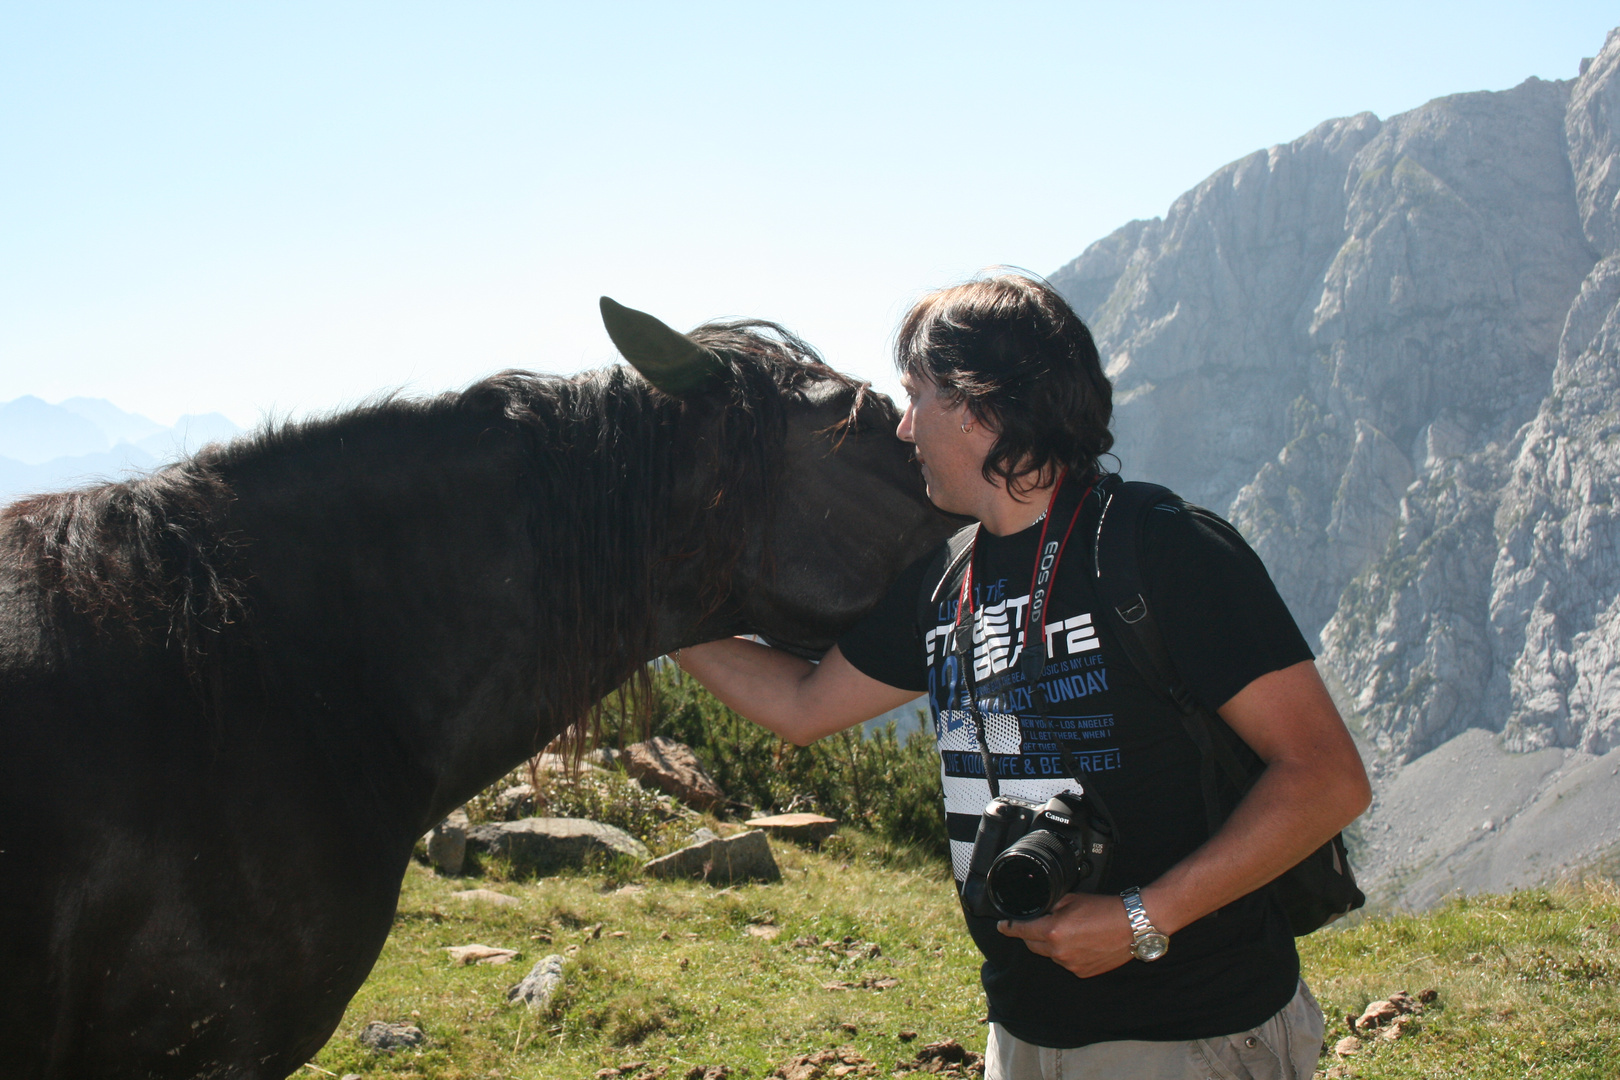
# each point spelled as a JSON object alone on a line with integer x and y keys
{"x": 1126, "y": 505}
{"x": 1124, "y": 594}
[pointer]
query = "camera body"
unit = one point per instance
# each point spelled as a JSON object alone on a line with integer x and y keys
{"x": 1027, "y": 855}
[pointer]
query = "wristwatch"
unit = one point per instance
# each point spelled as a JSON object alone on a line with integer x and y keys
{"x": 1147, "y": 942}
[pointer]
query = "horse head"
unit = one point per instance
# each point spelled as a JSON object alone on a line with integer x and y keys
{"x": 832, "y": 513}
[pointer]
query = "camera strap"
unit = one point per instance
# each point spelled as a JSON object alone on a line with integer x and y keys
{"x": 1032, "y": 658}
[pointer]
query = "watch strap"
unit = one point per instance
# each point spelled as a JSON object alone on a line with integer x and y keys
{"x": 1141, "y": 926}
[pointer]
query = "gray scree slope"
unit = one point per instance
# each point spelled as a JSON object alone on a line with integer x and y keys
{"x": 1389, "y": 351}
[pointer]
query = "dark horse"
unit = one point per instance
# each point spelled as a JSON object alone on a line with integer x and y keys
{"x": 234, "y": 693}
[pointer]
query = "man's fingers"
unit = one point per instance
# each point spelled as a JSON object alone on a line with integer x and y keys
{"x": 1028, "y": 929}
{"x": 1035, "y": 942}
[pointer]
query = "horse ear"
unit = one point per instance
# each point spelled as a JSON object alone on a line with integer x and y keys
{"x": 667, "y": 358}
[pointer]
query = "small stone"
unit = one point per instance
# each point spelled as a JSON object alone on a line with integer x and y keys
{"x": 539, "y": 984}
{"x": 811, "y": 829}
{"x": 383, "y": 1037}
{"x": 1377, "y": 1014}
{"x": 351, "y": 1076}
{"x": 606, "y": 1074}
{"x": 1347, "y": 1046}
{"x": 479, "y": 954}
{"x": 1428, "y": 997}
{"x": 906, "y": 1036}
{"x": 746, "y": 856}
{"x": 514, "y": 802}
{"x": 663, "y": 935}
{"x": 1396, "y": 1029}
{"x": 593, "y": 932}
{"x": 671, "y": 766}
{"x": 764, "y": 930}
{"x": 849, "y": 1029}
{"x": 485, "y": 896}
{"x": 447, "y": 844}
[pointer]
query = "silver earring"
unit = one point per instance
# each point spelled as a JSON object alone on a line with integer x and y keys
{"x": 967, "y": 429}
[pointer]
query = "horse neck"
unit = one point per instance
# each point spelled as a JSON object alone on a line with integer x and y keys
{"x": 472, "y": 588}
{"x": 462, "y": 591}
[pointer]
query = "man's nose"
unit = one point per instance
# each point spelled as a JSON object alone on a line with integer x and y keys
{"x": 904, "y": 429}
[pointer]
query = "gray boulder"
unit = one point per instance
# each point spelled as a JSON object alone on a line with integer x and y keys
{"x": 544, "y": 845}
{"x": 722, "y": 860}
{"x": 384, "y": 1037}
{"x": 539, "y": 984}
{"x": 447, "y": 843}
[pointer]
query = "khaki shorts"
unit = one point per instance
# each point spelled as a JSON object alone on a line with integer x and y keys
{"x": 1283, "y": 1048}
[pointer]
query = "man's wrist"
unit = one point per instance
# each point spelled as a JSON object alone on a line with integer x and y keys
{"x": 1148, "y": 942}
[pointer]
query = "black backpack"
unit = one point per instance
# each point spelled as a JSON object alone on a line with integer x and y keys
{"x": 1316, "y": 891}
{"x": 1322, "y": 887}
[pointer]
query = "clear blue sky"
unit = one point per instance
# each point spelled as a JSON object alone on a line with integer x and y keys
{"x": 255, "y": 207}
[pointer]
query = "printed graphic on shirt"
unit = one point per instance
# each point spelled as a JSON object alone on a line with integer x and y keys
{"x": 1023, "y": 745}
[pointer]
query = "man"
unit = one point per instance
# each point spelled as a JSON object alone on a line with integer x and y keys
{"x": 1009, "y": 411}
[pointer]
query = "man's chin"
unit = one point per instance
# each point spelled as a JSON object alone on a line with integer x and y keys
{"x": 941, "y": 502}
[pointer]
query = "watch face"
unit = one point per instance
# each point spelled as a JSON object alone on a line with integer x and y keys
{"x": 1151, "y": 946}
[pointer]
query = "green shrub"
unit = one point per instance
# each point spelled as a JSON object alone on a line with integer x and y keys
{"x": 875, "y": 781}
{"x": 605, "y": 795}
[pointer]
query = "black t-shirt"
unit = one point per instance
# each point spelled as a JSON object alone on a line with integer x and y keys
{"x": 1224, "y": 626}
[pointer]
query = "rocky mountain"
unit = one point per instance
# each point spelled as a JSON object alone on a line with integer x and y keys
{"x": 45, "y": 447}
{"x": 1389, "y": 351}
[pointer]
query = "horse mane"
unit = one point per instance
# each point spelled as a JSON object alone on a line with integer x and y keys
{"x": 153, "y": 553}
{"x": 148, "y": 553}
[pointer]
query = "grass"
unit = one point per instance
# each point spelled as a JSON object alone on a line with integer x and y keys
{"x": 687, "y": 983}
{"x": 1529, "y": 986}
{"x": 683, "y": 974}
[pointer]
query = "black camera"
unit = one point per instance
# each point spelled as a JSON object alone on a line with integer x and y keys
{"x": 1026, "y": 856}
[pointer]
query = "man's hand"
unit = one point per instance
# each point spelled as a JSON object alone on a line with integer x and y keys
{"x": 1086, "y": 933}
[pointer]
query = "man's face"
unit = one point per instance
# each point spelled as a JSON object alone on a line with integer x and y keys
{"x": 951, "y": 459}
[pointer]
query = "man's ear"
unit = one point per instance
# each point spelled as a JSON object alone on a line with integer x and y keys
{"x": 667, "y": 358}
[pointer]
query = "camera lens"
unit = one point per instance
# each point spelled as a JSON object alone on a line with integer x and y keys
{"x": 1029, "y": 877}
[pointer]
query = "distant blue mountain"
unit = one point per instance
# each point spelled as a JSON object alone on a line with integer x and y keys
{"x": 45, "y": 447}
{"x": 34, "y": 432}
{"x": 115, "y": 423}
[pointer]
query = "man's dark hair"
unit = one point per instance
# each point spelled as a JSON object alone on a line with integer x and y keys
{"x": 1013, "y": 350}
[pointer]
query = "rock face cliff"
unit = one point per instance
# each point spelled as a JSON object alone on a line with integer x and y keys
{"x": 1389, "y": 351}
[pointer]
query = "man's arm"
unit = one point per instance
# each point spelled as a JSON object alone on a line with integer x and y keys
{"x": 1312, "y": 787}
{"x": 796, "y": 699}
